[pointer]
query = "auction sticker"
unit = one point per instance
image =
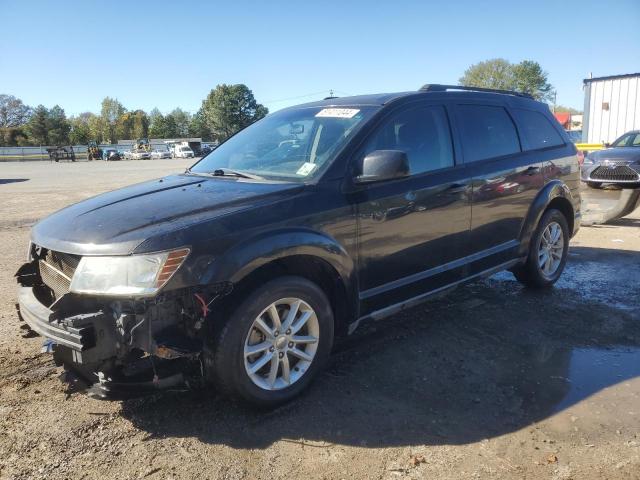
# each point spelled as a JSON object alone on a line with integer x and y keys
{"x": 337, "y": 112}
{"x": 306, "y": 168}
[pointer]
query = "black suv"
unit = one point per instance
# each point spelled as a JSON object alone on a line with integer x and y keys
{"x": 242, "y": 270}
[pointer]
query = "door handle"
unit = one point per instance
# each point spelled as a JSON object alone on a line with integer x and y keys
{"x": 532, "y": 171}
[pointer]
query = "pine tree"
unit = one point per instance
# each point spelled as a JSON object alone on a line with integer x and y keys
{"x": 37, "y": 128}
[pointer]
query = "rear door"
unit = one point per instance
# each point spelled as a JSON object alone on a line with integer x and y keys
{"x": 411, "y": 231}
{"x": 505, "y": 181}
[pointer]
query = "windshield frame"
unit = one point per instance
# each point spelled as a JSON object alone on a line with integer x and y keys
{"x": 371, "y": 111}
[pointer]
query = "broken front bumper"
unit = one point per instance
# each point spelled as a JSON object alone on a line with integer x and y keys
{"x": 77, "y": 336}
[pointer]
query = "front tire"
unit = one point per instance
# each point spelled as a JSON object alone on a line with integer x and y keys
{"x": 274, "y": 343}
{"x": 547, "y": 252}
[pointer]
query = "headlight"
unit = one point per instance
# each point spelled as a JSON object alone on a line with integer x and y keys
{"x": 588, "y": 161}
{"x": 140, "y": 275}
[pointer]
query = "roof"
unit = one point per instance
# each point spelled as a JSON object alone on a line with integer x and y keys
{"x": 379, "y": 99}
{"x": 611, "y": 77}
{"x": 376, "y": 99}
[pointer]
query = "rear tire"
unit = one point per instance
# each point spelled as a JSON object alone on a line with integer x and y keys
{"x": 252, "y": 327}
{"x": 547, "y": 252}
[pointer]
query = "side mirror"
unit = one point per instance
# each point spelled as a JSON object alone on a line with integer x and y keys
{"x": 382, "y": 165}
{"x": 607, "y": 144}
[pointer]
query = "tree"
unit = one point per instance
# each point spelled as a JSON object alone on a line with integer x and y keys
{"x": 110, "y": 112}
{"x": 230, "y": 108}
{"x": 81, "y": 133}
{"x": 139, "y": 124}
{"x": 170, "y": 127}
{"x": 37, "y": 128}
{"x": 181, "y": 120}
{"x": 530, "y": 78}
{"x": 495, "y": 73}
{"x": 158, "y": 125}
{"x": 13, "y": 113}
{"x": 13, "y": 136}
{"x": 198, "y": 126}
{"x": 58, "y": 126}
{"x": 123, "y": 128}
{"x": 96, "y": 127}
{"x": 526, "y": 76}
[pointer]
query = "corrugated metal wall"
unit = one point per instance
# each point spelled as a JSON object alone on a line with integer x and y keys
{"x": 622, "y": 96}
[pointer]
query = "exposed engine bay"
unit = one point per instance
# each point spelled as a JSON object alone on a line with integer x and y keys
{"x": 116, "y": 347}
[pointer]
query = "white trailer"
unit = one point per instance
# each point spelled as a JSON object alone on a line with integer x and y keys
{"x": 611, "y": 107}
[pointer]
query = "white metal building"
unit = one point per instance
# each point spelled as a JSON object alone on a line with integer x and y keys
{"x": 611, "y": 107}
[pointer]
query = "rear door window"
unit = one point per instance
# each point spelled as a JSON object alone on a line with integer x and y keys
{"x": 486, "y": 132}
{"x": 536, "y": 129}
{"x": 422, "y": 133}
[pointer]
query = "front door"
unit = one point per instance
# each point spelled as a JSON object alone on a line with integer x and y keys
{"x": 413, "y": 231}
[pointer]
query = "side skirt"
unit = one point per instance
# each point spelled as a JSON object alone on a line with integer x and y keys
{"x": 412, "y": 302}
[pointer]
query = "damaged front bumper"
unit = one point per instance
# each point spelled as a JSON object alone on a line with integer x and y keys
{"x": 117, "y": 348}
{"x": 78, "y": 333}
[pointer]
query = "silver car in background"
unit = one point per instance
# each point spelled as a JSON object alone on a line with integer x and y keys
{"x": 158, "y": 154}
{"x": 618, "y": 164}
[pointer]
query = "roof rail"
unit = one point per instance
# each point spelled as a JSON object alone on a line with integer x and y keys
{"x": 434, "y": 87}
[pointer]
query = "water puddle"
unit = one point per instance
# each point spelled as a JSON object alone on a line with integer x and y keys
{"x": 592, "y": 370}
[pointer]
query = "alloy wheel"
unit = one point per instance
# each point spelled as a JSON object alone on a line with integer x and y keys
{"x": 550, "y": 249}
{"x": 281, "y": 344}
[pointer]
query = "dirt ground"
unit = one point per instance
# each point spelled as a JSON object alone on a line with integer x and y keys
{"x": 492, "y": 381}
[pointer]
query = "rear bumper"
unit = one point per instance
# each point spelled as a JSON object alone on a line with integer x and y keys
{"x": 77, "y": 335}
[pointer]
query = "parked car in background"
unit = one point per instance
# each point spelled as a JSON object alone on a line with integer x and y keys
{"x": 617, "y": 164}
{"x": 111, "y": 154}
{"x": 574, "y": 135}
{"x": 242, "y": 270}
{"x": 140, "y": 155}
{"x": 161, "y": 153}
{"x": 183, "y": 152}
{"x": 205, "y": 150}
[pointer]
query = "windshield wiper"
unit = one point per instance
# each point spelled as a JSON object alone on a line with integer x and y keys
{"x": 224, "y": 172}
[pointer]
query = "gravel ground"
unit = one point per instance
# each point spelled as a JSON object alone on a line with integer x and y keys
{"x": 492, "y": 381}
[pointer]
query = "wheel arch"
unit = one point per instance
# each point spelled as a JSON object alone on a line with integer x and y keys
{"x": 554, "y": 194}
{"x": 308, "y": 254}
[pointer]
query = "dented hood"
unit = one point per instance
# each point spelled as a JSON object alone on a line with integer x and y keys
{"x": 115, "y": 223}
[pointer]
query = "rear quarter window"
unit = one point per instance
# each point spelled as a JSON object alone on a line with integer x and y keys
{"x": 536, "y": 130}
{"x": 486, "y": 132}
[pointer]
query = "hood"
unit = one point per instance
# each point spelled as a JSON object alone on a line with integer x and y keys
{"x": 115, "y": 223}
{"x": 620, "y": 154}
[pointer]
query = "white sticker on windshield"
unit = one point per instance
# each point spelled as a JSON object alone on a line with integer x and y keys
{"x": 306, "y": 168}
{"x": 337, "y": 112}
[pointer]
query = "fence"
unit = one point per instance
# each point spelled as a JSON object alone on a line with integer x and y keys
{"x": 25, "y": 154}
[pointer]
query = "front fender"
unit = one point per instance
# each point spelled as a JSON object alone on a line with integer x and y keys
{"x": 552, "y": 190}
{"x": 251, "y": 254}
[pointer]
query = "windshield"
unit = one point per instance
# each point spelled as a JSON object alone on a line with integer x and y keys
{"x": 292, "y": 145}
{"x": 185, "y": 149}
{"x": 628, "y": 140}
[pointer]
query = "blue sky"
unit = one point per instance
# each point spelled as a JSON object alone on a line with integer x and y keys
{"x": 170, "y": 54}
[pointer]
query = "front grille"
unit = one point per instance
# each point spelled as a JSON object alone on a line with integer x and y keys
{"x": 56, "y": 271}
{"x": 619, "y": 173}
